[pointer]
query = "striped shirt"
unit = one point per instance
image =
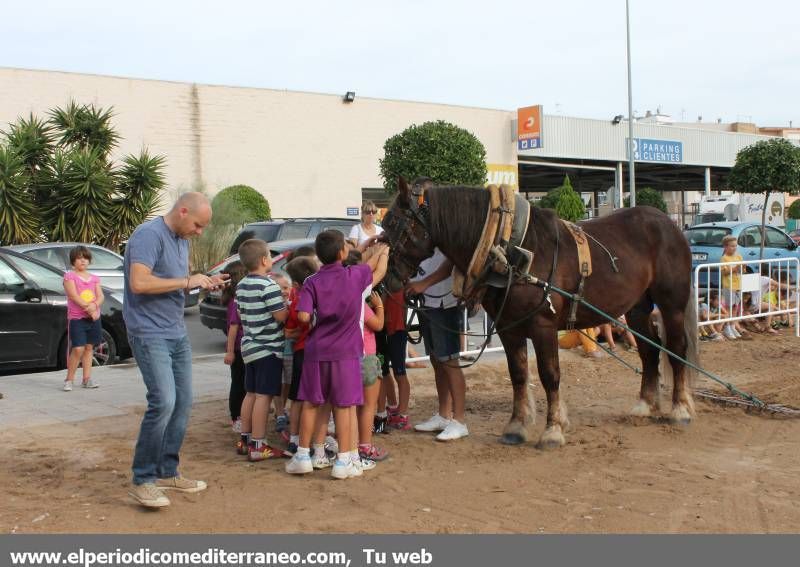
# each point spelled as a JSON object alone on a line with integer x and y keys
{"x": 258, "y": 297}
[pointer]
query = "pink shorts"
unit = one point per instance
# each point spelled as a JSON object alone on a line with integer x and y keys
{"x": 337, "y": 382}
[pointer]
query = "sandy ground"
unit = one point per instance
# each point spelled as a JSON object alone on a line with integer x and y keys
{"x": 730, "y": 471}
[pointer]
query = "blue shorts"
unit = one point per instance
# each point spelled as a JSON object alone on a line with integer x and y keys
{"x": 84, "y": 332}
{"x": 440, "y": 329}
{"x": 264, "y": 376}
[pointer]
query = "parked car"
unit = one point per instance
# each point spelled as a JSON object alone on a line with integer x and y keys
{"x": 705, "y": 241}
{"x": 107, "y": 265}
{"x": 212, "y": 312}
{"x": 33, "y": 316}
{"x": 291, "y": 229}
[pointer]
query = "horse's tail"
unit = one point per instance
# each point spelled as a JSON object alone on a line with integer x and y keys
{"x": 692, "y": 351}
{"x": 692, "y": 339}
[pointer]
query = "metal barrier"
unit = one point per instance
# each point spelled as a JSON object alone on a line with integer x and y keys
{"x": 783, "y": 271}
{"x": 465, "y": 320}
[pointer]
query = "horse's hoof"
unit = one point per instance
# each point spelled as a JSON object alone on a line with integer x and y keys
{"x": 641, "y": 409}
{"x": 512, "y": 439}
{"x": 680, "y": 416}
{"x": 515, "y": 433}
{"x": 552, "y": 438}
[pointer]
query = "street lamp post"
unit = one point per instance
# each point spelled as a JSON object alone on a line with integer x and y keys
{"x": 631, "y": 176}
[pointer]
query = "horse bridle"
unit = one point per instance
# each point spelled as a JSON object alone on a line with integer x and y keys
{"x": 406, "y": 226}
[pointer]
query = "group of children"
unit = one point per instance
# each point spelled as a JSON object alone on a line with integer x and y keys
{"x": 312, "y": 341}
{"x": 730, "y": 301}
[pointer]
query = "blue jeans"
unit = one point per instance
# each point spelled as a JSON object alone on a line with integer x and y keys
{"x": 166, "y": 367}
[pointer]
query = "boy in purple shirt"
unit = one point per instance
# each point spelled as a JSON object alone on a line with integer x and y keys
{"x": 334, "y": 296}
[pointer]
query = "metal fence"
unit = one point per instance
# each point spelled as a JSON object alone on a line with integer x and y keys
{"x": 778, "y": 294}
{"x": 481, "y": 319}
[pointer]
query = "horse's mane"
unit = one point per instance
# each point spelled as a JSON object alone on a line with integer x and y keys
{"x": 457, "y": 213}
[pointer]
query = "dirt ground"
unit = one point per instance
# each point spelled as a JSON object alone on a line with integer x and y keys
{"x": 730, "y": 471}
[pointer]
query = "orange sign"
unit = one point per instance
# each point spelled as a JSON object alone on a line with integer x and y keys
{"x": 529, "y": 127}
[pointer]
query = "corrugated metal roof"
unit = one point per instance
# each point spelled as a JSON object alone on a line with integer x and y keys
{"x": 586, "y": 138}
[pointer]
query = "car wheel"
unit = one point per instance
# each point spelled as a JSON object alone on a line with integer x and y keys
{"x": 106, "y": 352}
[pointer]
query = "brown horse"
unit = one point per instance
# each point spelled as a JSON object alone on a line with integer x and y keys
{"x": 646, "y": 261}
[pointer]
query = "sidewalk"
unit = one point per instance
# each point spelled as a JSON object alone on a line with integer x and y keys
{"x": 37, "y": 399}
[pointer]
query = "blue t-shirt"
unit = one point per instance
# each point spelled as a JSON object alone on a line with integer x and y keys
{"x": 167, "y": 255}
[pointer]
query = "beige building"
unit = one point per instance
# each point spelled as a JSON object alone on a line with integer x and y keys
{"x": 309, "y": 154}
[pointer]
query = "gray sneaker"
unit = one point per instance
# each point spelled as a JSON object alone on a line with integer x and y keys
{"x": 90, "y": 384}
{"x": 148, "y": 495}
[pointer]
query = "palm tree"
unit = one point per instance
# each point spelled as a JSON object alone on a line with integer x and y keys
{"x": 18, "y": 219}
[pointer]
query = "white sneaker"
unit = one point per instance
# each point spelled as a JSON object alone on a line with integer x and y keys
{"x": 737, "y": 333}
{"x": 299, "y": 465}
{"x": 364, "y": 464}
{"x": 237, "y": 425}
{"x": 67, "y": 386}
{"x": 434, "y": 423}
{"x": 320, "y": 461}
{"x": 728, "y": 332}
{"x": 342, "y": 470}
{"x": 90, "y": 384}
{"x": 453, "y": 431}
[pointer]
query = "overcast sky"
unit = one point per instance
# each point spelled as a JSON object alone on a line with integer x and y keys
{"x": 734, "y": 59}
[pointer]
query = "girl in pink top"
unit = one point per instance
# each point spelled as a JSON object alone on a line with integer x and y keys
{"x": 84, "y": 297}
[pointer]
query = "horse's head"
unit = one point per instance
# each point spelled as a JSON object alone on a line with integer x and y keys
{"x": 406, "y": 230}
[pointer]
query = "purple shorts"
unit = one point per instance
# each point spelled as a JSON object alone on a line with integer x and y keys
{"x": 337, "y": 382}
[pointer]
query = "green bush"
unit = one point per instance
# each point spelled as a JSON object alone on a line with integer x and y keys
{"x": 794, "y": 210}
{"x": 570, "y": 206}
{"x": 449, "y": 155}
{"x": 240, "y": 204}
{"x": 650, "y": 197}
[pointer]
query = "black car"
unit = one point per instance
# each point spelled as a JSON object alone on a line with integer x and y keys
{"x": 33, "y": 317}
{"x": 212, "y": 312}
{"x": 292, "y": 229}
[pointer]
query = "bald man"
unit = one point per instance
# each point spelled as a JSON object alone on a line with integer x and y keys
{"x": 156, "y": 278}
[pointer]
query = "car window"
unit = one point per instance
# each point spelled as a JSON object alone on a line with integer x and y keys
{"x": 105, "y": 260}
{"x": 266, "y": 232}
{"x": 50, "y": 256}
{"x": 46, "y": 279}
{"x": 10, "y": 281}
{"x": 294, "y": 230}
{"x": 706, "y": 236}
{"x": 776, "y": 239}
{"x": 750, "y": 237}
{"x": 343, "y": 228}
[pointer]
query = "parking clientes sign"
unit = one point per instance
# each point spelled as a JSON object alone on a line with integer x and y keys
{"x": 659, "y": 151}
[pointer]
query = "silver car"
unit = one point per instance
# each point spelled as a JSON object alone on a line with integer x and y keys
{"x": 107, "y": 265}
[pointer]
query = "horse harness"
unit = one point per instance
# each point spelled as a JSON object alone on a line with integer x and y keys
{"x": 499, "y": 258}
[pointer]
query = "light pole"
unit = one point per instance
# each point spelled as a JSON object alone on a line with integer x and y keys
{"x": 631, "y": 176}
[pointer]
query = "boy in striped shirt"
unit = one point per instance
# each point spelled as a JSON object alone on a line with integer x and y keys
{"x": 262, "y": 312}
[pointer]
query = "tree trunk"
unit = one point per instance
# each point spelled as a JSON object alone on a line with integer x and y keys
{"x": 763, "y": 225}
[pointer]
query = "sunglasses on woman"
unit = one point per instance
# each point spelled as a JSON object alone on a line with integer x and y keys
{"x": 371, "y": 212}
